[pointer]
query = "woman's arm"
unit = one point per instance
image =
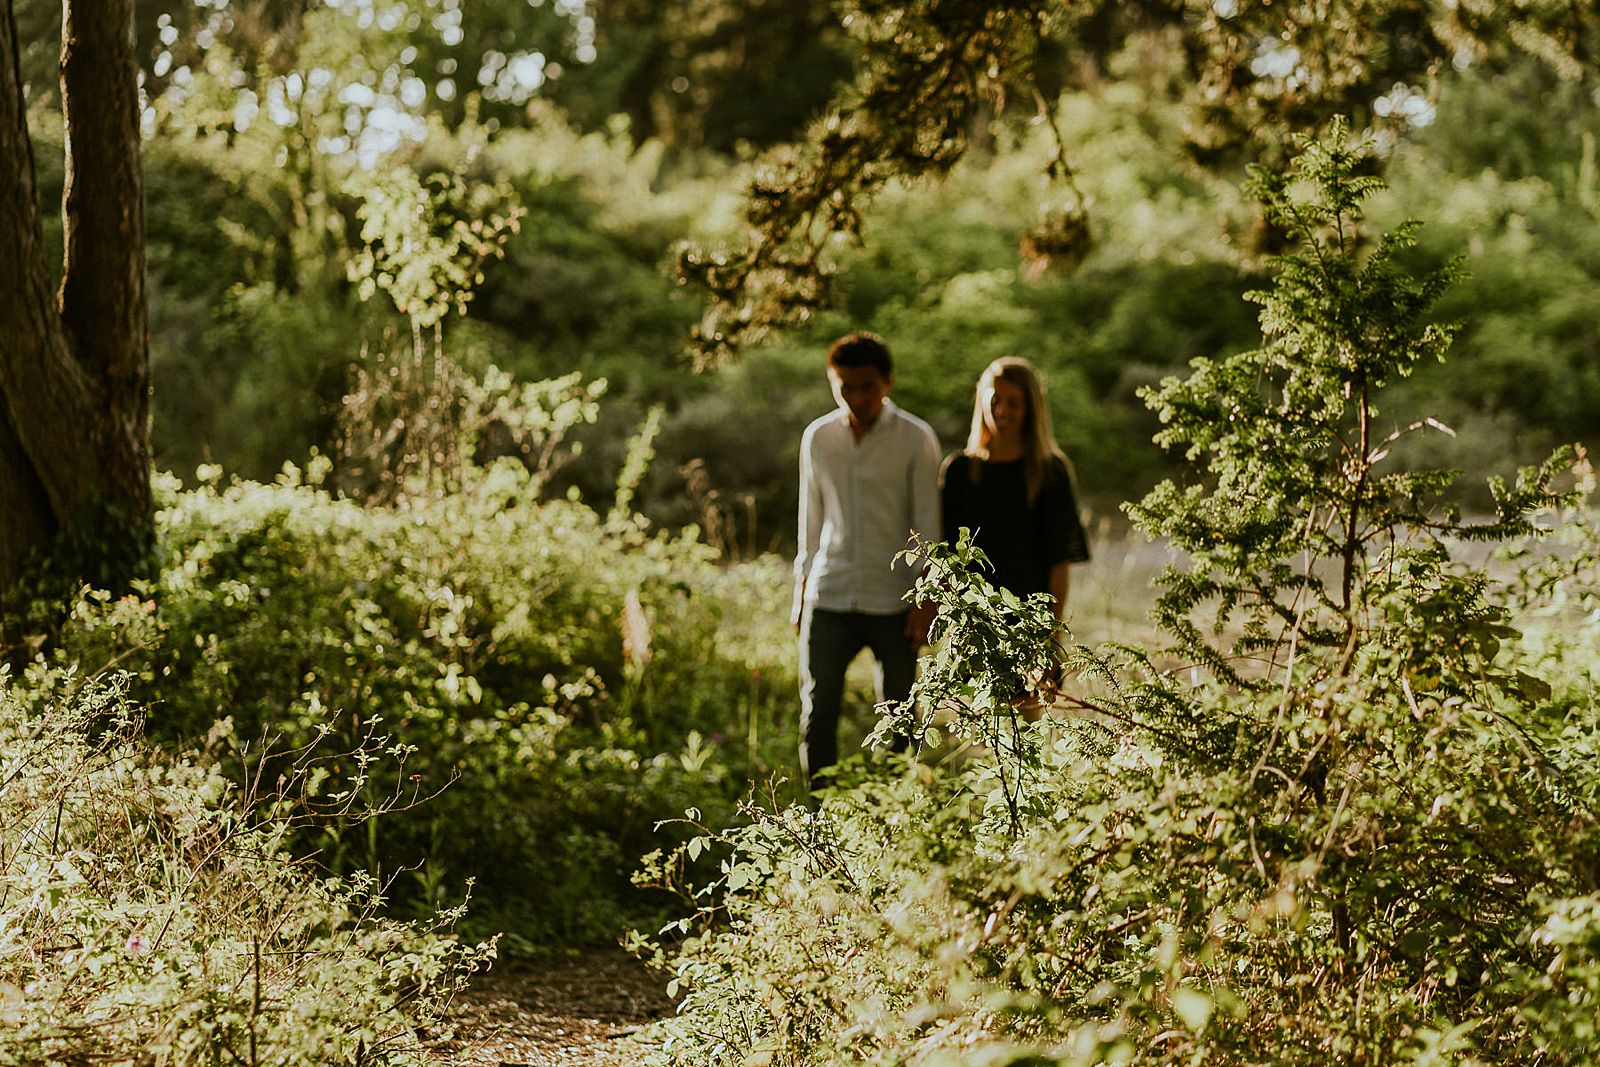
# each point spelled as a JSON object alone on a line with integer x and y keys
{"x": 1065, "y": 541}
{"x": 1060, "y": 583}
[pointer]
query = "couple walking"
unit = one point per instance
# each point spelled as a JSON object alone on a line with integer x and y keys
{"x": 870, "y": 477}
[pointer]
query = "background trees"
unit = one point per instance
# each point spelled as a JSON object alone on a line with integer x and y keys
{"x": 931, "y": 76}
{"x": 1098, "y": 242}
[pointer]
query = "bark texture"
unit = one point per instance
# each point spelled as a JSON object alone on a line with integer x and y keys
{"x": 74, "y": 366}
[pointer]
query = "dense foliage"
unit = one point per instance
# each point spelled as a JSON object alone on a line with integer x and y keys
{"x": 1349, "y": 820}
{"x": 471, "y": 704}
{"x": 528, "y": 682}
{"x": 459, "y": 647}
{"x": 150, "y": 911}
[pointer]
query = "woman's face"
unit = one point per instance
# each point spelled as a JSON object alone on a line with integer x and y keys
{"x": 1005, "y": 408}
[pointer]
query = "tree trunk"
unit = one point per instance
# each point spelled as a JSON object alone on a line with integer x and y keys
{"x": 74, "y": 366}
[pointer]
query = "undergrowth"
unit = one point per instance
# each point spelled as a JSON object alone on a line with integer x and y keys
{"x": 533, "y": 685}
{"x": 150, "y": 910}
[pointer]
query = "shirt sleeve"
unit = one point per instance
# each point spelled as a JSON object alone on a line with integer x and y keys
{"x": 809, "y": 534}
{"x": 1064, "y": 539}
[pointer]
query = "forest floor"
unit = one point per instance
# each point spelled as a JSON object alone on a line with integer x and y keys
{"x": 584, "y": 1012}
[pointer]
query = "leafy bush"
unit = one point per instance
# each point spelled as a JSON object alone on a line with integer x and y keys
{"x": 560, "y": 681}
{"x": 146, "y": 916}
{"x": 1339, "y": 818}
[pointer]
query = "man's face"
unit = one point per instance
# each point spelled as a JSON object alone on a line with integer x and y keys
{"x": 860, "y": 389}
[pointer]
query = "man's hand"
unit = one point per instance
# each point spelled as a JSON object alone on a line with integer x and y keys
{"x": 919, "y": 620}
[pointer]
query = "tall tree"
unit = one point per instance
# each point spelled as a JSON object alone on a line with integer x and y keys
{"x": 74, "y": 363}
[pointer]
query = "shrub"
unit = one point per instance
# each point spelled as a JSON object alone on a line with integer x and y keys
{"x": 147, "y": 916}
{"x": 543, "y": 684}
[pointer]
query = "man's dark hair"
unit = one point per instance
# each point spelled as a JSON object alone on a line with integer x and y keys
{"x": 861, "y": 350}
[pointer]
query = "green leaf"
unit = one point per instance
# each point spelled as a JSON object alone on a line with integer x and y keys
{"x": 1193, "y": 1007}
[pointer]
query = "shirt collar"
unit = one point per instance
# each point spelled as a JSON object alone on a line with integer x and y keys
{"x": 842, "y": 415}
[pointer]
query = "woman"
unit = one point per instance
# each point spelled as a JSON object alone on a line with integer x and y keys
{"x": 1012, "y": 486}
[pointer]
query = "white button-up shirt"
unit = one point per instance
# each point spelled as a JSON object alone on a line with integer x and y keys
{"x": 859, "y": 505}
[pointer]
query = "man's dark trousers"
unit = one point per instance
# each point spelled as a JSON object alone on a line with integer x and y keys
{"x": 829, "y": 640}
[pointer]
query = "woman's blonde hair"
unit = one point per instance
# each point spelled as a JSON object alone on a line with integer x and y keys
{"x": 1039, "y": 446}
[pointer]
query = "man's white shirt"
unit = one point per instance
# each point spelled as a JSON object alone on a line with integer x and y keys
{"x": 859, "y": 505}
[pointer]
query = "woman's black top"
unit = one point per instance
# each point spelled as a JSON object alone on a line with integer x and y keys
{"x": 1023, "y": 541}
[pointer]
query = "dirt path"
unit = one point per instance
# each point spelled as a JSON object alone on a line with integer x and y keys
{"x": 585, "y": 1012}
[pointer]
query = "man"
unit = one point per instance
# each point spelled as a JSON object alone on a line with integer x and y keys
{"x": 868, "y": 480}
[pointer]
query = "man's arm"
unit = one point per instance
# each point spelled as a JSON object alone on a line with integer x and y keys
{"x": 810, "y": 525}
